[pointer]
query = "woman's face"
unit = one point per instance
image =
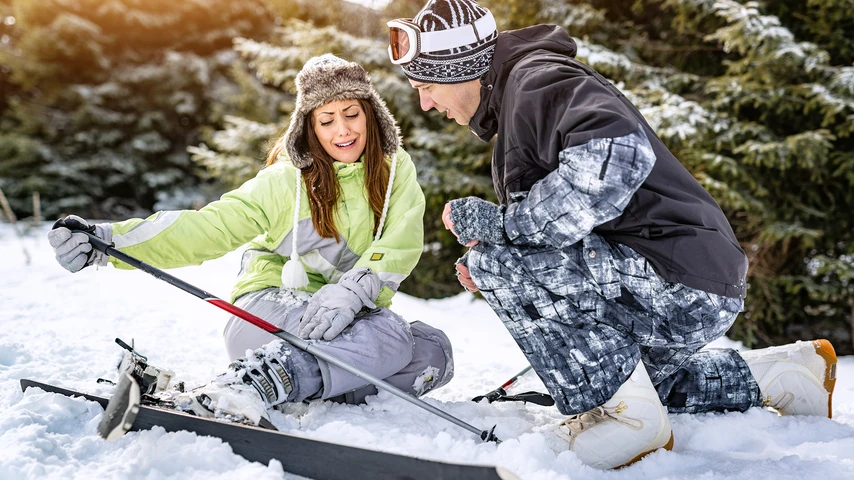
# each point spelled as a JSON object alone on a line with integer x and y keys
{"x": 341, "y": 129}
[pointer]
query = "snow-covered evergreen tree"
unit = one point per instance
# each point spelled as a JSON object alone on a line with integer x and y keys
{"x": 107, "y": 94}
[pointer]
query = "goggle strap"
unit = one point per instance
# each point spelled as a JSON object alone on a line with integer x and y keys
{"x": 458, "y": 36}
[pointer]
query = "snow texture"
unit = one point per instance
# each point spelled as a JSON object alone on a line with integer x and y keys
{"x": 59, "y": 328}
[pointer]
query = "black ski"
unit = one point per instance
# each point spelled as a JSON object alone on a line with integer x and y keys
{"x": 300, "y": 455}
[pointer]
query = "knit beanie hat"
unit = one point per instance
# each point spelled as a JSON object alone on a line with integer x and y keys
{"x": 456, "y": 65}
{"x": 325, "y": 79}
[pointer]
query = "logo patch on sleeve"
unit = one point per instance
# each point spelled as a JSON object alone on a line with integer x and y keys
{"x": 377, "y": 256}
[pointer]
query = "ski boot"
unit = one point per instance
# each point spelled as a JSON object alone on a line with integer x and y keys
{"x": 632, "y": 424}
{"x": 795, "y": 379}
{"x": 243, "y": 393}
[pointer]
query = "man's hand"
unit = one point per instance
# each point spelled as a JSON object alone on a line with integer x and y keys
{"x": 473, "y": 220}
{"x": 449, "y": 225}
{"x": 464, "y": 277}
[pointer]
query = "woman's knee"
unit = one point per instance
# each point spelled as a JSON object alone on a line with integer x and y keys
{"x": 431, "y": 367}
{"x": 240, "y": 335}
{"x": 432, "y": 364}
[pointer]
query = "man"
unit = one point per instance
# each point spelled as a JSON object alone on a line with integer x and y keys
{"x": 606, "y": 260}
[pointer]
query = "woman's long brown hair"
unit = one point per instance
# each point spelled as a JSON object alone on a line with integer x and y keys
{"x": 321, "y": 180}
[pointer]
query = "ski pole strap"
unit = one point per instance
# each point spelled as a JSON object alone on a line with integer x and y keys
{"x": 500, "y": 395}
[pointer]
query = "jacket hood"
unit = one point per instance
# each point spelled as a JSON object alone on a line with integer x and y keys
{"x": 511, "y": 47}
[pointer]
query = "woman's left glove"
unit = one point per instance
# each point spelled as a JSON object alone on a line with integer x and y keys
{"x": 335, "y": 305}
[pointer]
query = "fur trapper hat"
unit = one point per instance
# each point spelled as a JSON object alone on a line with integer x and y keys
{"x": 325, "y": 79}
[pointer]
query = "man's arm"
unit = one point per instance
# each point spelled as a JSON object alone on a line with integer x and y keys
{"x": 593, "y": 184}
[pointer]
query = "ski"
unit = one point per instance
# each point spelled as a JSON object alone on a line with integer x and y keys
{"x": 299, "y": 455}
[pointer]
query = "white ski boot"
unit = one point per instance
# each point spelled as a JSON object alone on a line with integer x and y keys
{"x": 632, "y": 424}
{"x": 227, "y": 397}
{"x": 245, "y": 391}
{"x": 795, "y": 379}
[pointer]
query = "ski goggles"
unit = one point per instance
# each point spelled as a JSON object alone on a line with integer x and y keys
{"x": 407, "y": 41}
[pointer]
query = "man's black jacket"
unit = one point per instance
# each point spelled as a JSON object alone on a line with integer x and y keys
{"x": 541, "y": 103}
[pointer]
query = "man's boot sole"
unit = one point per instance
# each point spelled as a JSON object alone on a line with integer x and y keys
{"x": 667, "y": 446}
{"x": 825, "y": 350}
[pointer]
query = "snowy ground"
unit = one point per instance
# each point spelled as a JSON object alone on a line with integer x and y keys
{"x": 59, "y": 328}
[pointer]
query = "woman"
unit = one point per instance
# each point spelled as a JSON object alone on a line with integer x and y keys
{"x": 334, "y": 224}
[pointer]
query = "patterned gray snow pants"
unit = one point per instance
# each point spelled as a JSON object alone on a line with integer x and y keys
{"x": 586, "y": 314}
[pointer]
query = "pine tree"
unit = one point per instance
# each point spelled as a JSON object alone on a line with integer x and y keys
{"x": 107, "y": 94}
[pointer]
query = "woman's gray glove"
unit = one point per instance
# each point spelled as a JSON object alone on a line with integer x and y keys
{"x": 335, "y": 305}
{"x": 73, "y": 250}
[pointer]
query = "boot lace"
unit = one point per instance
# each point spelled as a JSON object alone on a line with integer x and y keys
{"x": 575, "y": 424}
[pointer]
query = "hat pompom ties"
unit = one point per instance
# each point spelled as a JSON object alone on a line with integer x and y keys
{"x": 294, "y": 274}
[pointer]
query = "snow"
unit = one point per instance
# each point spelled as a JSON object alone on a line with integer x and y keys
{"x": 59, "y": 328}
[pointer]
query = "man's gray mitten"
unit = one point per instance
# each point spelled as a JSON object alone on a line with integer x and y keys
{"x": 477, "y": 219}
{"x": 335, "y": 305}
{"x": 73, "y": 250}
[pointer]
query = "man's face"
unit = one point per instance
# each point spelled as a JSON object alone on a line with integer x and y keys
{"x": 457, "y": 100}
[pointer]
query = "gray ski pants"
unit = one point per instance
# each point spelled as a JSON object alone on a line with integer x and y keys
{"x": 586, "y": 314}
{"x": 415, "y": 357}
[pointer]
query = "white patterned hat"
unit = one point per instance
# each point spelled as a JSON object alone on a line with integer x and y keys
{"x": 456, "y": 65}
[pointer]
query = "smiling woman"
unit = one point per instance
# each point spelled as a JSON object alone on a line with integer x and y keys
{"x": 334, "y": 223}
{"x": 344, "y": 131}
{"x": 340, "y": 129}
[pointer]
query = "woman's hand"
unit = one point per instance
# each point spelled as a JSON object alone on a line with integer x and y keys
{"x": 73, "y": 250}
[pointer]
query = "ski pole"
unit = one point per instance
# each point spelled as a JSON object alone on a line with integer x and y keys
{"x": 109, "y": 249}
{"x": 500, "y": 394}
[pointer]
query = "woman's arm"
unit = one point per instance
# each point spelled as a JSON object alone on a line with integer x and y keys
{"x": 171, "y": 239}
